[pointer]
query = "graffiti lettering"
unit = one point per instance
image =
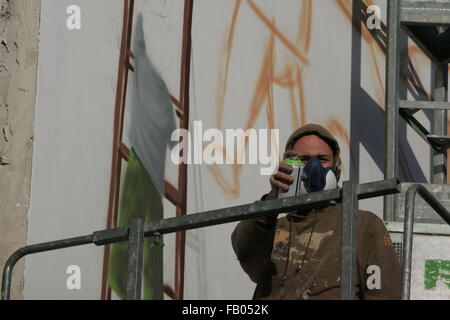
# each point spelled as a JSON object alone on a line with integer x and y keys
{"x": 436, "y": 270}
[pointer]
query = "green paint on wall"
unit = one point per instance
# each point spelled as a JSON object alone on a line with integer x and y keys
{"x": 139, "y": 199}
{"x": 436, "y": 270}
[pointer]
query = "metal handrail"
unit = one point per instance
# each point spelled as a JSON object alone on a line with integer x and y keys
{"x": 408, "y": 230}
{"x": 99, "y": 238}
{"x": 48, "y": 246}
{"x": 136, "y": 230}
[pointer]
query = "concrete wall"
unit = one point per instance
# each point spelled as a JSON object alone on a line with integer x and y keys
{"x": 19, "y": 30}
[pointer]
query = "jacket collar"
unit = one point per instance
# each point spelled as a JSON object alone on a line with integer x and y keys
{"x": 297, "y": 217}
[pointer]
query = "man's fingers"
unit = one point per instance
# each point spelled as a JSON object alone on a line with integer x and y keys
{"x": 285, "y": 168}
{"x": 278, "y": 184}
{"x": 283, "y": 177}
{"x": 281, "y": 185}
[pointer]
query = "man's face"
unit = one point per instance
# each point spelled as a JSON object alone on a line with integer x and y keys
{"x": 310, "y": 146}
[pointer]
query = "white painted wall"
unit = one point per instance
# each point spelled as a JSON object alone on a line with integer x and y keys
{"x": 73, "y": 138}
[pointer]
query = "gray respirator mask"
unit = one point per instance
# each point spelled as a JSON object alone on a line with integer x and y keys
{"x": 317, "y": 178}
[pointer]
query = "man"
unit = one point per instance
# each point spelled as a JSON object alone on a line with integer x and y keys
{"x": 298, "y": 256}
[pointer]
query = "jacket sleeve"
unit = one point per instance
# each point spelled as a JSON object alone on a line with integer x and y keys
{"x": 252, "y": 242}
{"x": 379, "y": 268}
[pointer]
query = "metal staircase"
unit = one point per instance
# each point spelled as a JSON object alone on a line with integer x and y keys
{"x": 428, "y": 24}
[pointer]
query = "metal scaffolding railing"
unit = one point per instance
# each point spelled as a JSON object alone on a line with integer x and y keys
{"x": 138, "y": 230}
{"x": 428, "y": 24}
{"x": 349, "y": 195}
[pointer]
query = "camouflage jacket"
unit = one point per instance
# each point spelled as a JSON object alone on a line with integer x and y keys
{"x": 299, "y": 258}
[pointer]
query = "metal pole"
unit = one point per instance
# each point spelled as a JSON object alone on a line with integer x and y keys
{"x": 439, "y": 169}
{"x": 135, "y": 259}
{"x": 408, "y": 242}
{"x": 348, "y": 241}
{"x": 392, "y": 104}
{"x": 180, "y": 238}
{"x": 408, "y": 230}
{"x": 48, "y": 246}
{"x": 119, "y": 114}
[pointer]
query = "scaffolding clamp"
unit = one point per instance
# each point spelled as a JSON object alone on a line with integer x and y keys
{"x": 157, "y": 241}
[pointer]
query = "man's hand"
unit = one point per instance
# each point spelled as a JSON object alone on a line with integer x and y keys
{"x": 282, "y": 179}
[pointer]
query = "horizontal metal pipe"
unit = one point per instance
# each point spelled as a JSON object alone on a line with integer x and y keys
{"x": 420, "y": 105}
{"x": 48, "y": 246}
{"x": 263, "y": 208}
{"x": 429, "y": 13}
{"x": 408, "y": 230}
{"x": 378, "y": 188}
{"x": 243, "y": 212}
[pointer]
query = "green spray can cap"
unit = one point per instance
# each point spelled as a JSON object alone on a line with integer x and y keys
{"x": 293, "y": 161}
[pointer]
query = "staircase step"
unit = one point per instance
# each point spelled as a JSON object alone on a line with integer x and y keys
{"x": 441, "y": 143}
{"x": 415, "y": 106}
{"x": 426, "y": 22}
{"x": 425, "y": 12}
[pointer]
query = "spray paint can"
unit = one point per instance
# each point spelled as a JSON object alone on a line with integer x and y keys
{"x": 297, "y": 172}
